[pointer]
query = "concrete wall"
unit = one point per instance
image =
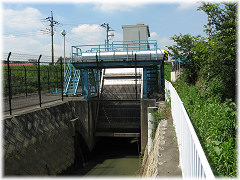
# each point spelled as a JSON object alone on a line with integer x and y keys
{"x": 145, "y": 103}
{"x": 86, "y": 112}
{"x": 41, "y": 142}
{"x": 163, "y": 159}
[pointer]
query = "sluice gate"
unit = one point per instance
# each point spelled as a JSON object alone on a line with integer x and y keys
{"x": 118, "y": 77}
{"x": 119, "y": 104}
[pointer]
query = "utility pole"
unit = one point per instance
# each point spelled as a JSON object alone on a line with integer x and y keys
{"x": 52, "y": 23}
{"x": 107, "y": 29}
{"x": 106, "y": 25}
{"x": 52, "y": 37}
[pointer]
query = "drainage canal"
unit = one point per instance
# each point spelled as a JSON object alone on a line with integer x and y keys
{"x": 117, "y": 148}
{"x": 117, "y": 131}
{"x": 111, "y": 156}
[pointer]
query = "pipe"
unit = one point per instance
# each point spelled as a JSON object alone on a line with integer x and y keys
{"x": 111, "y": 56}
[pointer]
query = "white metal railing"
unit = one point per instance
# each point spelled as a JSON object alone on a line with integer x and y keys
{"x": 192, "y": 159}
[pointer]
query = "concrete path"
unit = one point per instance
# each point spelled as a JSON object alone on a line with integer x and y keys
{"x": 163, "y": 160}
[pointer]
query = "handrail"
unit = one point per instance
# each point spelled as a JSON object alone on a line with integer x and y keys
{"x": 115, "y": 45}
{"x": 193, "y": 161}
{"x": 117, "y": 49}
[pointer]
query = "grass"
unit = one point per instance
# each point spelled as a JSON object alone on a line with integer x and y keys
{"x": 167, "y": 71}
{"x": 50, "y": 77}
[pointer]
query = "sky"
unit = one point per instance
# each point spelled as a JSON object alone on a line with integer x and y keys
{"x": 26, "y": 30}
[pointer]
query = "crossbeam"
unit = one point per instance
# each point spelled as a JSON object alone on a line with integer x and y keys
{"x": 115, "y": 64}
{"x": 112, "y": 134}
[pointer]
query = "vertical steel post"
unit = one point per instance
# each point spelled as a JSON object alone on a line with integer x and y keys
{"x": 97, "y": 77}
{"x": 136, "y": 74}
{"x": 9, "y": 84}
{"x": 162, "y": 78}
{"x": 25, "y": 79}
{"x": 39, "y": 82}
{"x": 48, "y": 78}
{"x": 61, "y": 77}
{"x": 56, "y": 75}
{"x": 85, "y": 83}
{"x": 159, "y": 78}
{"x": 144, "y": 82}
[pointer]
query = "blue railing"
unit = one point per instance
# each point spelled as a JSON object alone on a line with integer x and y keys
{"x": 129, "y": 48}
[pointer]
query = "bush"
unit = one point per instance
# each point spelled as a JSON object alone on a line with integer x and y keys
{"x": 215, "y": 125}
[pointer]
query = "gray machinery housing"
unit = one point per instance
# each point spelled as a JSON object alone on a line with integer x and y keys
{"x": 136, "y": 33}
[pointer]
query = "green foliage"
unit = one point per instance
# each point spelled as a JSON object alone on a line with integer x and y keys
{"x": 218, "y": 55}
{"x": 167, "y": 71}
{"x": 183, "y": 50}
{"x": 215, "y": 124}
{"x": 158, "y": 116}
{"x": 211, "y": 61}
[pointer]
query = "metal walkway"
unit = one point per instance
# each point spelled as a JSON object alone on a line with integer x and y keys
{"x": 84, "y": 71}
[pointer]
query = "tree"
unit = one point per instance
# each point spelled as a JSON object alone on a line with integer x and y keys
{"x": 183, "y": 50}
{"x": 212, "y": 60}
{"x": 221, "y": 76}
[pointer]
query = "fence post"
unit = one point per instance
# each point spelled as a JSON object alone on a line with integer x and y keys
{"x": 61, "y": 76}
{"x": 25, "y": 79}
{"x": 9, "y": 84}
{"x": 56, "y": 72}
{"x": 48, "y": 79}
{"x": 39, "y": 83}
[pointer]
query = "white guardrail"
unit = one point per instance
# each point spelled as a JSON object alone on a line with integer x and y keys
{"x": 193, "y": 161}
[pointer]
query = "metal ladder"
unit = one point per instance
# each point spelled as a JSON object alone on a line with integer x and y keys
{"x": 152, "y": 79}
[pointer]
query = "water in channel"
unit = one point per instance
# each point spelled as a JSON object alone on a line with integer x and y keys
{"x": 113, "y": 157}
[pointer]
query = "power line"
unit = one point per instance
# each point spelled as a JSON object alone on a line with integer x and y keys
{"x": 22, "y": 22}
{"x": 72, "y": 40}
{"x": 27, "y": 34}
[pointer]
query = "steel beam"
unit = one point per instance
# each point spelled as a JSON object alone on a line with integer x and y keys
{"x": 85, "y": 83}
{"x": 144, "y": 83}
{"x": 112, "y": 134}
{"x": 115, "y": 64}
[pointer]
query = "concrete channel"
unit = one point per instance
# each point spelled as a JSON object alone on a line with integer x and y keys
{"x": 59, "y": 137}
{"x": 104, "y": 136}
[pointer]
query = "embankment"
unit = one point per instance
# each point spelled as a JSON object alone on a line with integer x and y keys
{"x": 47, "y": 141}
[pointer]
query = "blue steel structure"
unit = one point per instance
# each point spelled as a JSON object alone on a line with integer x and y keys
{"x": 83, "y": 73}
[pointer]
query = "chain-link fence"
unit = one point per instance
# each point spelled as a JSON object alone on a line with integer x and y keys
{"x": 31, "y": 80}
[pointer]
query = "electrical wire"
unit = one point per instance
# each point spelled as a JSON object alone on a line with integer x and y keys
{"x": 72, "y": 40}
{"x": 24, "y": 34}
